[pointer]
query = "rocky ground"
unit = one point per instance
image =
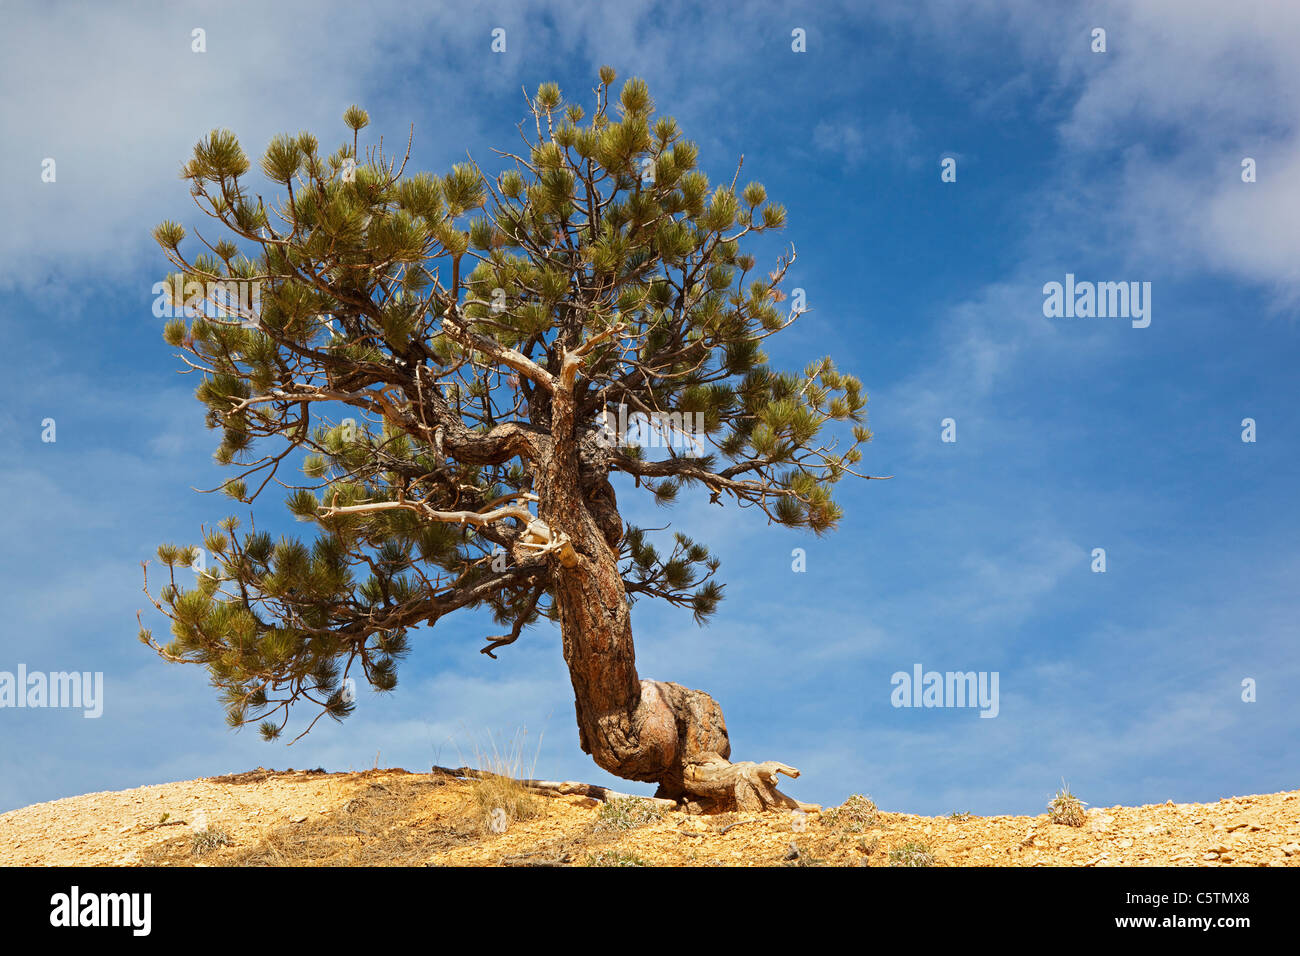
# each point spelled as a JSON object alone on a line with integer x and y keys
{"x": 391, "y": 817}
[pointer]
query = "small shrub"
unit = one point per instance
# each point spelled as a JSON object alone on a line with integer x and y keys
{"x": 615, "y": 858}
{"x": 854, "y": 815}
{"x": 911, "y": 854}
{"x": 205, "y": 841}
{"x": 1066, "y": 809}
{"x": 627, "y": 813}
{"x": 960, "y": 816}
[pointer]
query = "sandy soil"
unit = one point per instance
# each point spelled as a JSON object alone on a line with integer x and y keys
{"x": 391, "y": 817}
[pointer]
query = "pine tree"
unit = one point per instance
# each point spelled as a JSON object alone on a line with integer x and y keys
{"x": 443, "y": 356}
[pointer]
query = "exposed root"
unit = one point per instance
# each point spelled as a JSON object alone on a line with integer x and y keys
{"x": 685, "y": 729}
{"x": 717, "y": 785}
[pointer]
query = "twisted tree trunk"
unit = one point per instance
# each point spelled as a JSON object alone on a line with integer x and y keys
{"x": 645, "y": 730}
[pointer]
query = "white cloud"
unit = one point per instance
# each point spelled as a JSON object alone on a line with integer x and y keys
{"x": 892, "y": 137}
{"x": 1187, "y": 91}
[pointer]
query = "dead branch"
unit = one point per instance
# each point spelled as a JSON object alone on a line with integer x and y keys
{"x": 553, "y": 787}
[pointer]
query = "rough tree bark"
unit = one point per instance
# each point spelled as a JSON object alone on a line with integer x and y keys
{"x": 646, "y": 730}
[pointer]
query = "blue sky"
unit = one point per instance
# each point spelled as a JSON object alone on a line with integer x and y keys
{"x": 1072, "y": 434}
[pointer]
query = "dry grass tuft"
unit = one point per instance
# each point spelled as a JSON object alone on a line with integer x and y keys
{"x": 626, "y": 813}
{"x": 499, "y": 799}
{"x": 912, "y": 853}
{"x": 1066, "y": 809}
{"x": 615, "y": 858}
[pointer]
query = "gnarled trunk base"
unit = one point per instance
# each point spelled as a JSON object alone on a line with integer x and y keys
{"x": 679, "y": 740}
